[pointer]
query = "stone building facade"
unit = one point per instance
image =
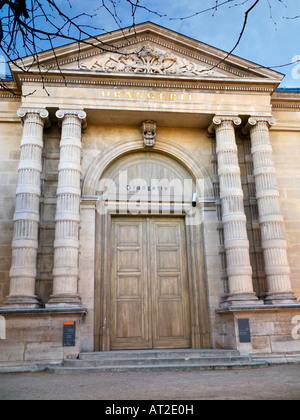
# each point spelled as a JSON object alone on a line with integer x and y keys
{"x": 150, "y": 194}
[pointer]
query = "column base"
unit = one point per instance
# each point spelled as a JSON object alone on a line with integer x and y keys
{"x": 241, "y": 299}
{"x": 280, "y": 299}
{"x": 22, "y": 302}
{"x": 64, "y": 301}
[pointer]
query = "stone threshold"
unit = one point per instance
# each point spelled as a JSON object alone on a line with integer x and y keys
{"x": 259, "y": 308}
{"x": 43, "y": 311}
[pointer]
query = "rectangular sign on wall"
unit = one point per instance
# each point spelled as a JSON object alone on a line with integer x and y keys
{"x": 69, "y": 334}
{"x": 244, "y": 330}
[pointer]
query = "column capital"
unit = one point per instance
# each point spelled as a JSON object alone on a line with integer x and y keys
{"x": 41, "y": 112}
{"x": 219, "y": 119}
{"x": 79, "y": 113}
{"x": 254, "y": 120}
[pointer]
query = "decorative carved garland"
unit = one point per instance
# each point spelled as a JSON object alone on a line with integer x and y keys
{"x": 146, "y": 39}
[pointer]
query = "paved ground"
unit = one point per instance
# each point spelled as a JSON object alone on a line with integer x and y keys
{"x": 277, "y": 382}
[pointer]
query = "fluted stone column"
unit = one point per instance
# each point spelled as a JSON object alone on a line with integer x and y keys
{"x": 27, "y": 215}
{"x": 66, "y": 246}
{"x": 270, "y": 217}
{"x": 233, "y": 213}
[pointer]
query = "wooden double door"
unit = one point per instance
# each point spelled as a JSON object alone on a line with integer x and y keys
{"x": 150, "y": 305}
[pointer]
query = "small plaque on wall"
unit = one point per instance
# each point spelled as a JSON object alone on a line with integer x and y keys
{"x": 69, "y": 334}
{"x": 244, "y": 330}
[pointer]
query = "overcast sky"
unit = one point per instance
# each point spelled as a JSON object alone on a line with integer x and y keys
{"x": 270, "y": 39}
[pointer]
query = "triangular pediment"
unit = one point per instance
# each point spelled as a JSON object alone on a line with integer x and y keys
{"x": 144, "y": 58}
{"x": 148, "y": 50}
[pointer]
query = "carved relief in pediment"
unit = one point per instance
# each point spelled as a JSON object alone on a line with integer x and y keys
{"x": 147, "y": 60}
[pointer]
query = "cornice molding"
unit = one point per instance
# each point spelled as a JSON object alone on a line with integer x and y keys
{"x": 7, "y": 95}
{"x": 199, "y": 84}
{"x": 286, "y": 106}
{"x": 286, "y": 100}
{"x": 12, "y": 91}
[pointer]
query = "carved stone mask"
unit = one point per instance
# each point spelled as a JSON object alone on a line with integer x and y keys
{"x": 149, "y": 133}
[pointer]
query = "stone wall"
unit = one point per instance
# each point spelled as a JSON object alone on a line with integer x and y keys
{"x": 273, "y": 330}
{"x": 37, "y": 336}
{"x": 10, "y": 138}
{"x": 45, "y": 262}
{"x": 285, "y": 138}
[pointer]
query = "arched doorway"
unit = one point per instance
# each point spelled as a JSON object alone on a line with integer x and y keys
{"x": 150, "y": 277}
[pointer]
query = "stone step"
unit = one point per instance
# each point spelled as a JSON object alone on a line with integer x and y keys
{"x": 63, "y": 370}
{"x": 156, "y": 361}
{"x": 140, "y": 360}
{"x": 152, "y": 362}
{"x": 144, "y": 354}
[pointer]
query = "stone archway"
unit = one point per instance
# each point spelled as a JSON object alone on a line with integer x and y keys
{"x": 172, "y": 149}
{"x": 176, "y": 161}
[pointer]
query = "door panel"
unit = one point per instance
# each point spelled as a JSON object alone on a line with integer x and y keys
{"x": 170, "y": 295}
{"x": 149, "y": 284}
{"x": 129, "y": 286}
{"x": 171, "y": 317}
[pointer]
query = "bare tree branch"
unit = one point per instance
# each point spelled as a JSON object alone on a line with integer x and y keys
{"x": 28, "y": 27}
{"x": 243, "y": 29}
{"x": 214, "y": 8}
